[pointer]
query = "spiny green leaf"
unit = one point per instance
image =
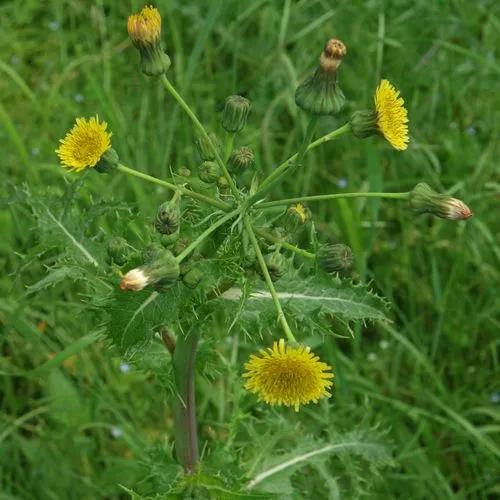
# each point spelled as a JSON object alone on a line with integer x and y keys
{"x": 311, "y": 299}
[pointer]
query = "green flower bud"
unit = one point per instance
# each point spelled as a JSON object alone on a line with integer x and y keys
{"x": 204, "y": 149}
{"x": 118, "y": 250}
{"x": 241, "y": 159}
{"x": 276, "y": 265}
{"x": 335, "y": 258}
{"x": 320, "y": 94}
{"x": 249, "y": 257}
{"x": 162, "y": 270}
{"x": 364, "y": 124}
{"x": 108, "y": 162}
{"x": 209, "y": 172}
{"x": 423, "y": 199}
{"x": 180, "y": 245}
{"x": 193, "y": 277}
{"x": 168, "y": 216}
{"x": 235, "y": 114}
{"x": 296, "y": 215}
{"x": 223, "y": 185}
{"x": 168, "y": 240}
{"x": 184, "y": 172}
{"x": 151, "y": 252}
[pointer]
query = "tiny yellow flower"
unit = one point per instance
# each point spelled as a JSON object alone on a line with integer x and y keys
{"x": 301, "y": 212}
{"x": 145, "y": 27}
{"x": 392, "y": 116}
{"x": 288, "y": 375}
{"x": 83, "y": 146}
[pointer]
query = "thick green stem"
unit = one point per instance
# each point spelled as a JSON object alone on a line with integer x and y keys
{"x": 206, "y": 233}
{"x": 281, "y": 315}
{"x": 188, "y": 192}
{"x": 323, "y": 197}
{"x": 184, "y": 405}
{"x": 284, "y": 244}
{"x": 201, "y": 129}
{"x": 280, "y": 170}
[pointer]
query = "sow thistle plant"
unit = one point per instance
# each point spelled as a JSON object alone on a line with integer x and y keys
{"x": 222, "y": 249}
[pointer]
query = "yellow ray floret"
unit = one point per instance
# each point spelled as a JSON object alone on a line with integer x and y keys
{"x": 84, "y": 145}
{"x": 392, "y": 116}
{"x": 288, "y": 375}
{"x": 145, "y": 27}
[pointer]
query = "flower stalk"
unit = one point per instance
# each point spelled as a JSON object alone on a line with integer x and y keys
{"x": 267, "y": 277}
{"x": 184, "y": 407}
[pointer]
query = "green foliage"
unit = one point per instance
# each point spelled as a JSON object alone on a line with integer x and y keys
{"x": 428, "y": 379}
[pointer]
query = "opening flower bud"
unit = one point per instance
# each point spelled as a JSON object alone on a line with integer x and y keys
{"x": 235, "y": 114}
{"x": 168, "y": 216}
{"x": 242, "y": 159}
{"x": 144, "y": 29}
{"x": 204, "y": 148}
{"x": 118, "y": 250}
{"x": 335, "y": 258}
{"x": 209, "y": 172}
{"x": 320, "y": 94}
{"x": 423, "y": 199}
{"x": 296, "y": 215}
{"x": 162, "y": 269}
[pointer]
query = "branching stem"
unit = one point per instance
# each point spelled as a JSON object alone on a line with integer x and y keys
{"x": 201, "y": 129}
{"x": 188, "y": 192}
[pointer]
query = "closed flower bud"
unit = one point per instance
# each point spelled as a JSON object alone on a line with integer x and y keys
{"x": 184, "y": 172}
{"x": 423, "y": 199}
{"x": 180, "y": 245}
{"x": 204, "y": 148}
{"x": 118, "y": 250}
{"x": 144, "y": 29}
{"x": 296, "y": 215}
{"x": 320, "y": 94}
{"x": 241, "y": 159}
{"x": 335, "y": 258}
{"x": 168, "y": 216}
{"x": 223, "y": 185}
{"x": 276, "y": 264}
{"x": 167, "y": 240}
{"x": 193, "y": 277}
{"x": 235, "y": 114}
{"x": 108, "y": 161}
{"x": 209, "y": 172}
{"x": 162, "y": 270}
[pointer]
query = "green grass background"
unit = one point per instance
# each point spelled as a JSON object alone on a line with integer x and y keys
{"x": 74, "y": 425}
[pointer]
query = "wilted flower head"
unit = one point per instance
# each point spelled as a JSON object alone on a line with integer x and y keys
{"x": 85, "y": 144}
{"x": 320, "y": 94}
{"x": 423, "y": 199}
{"x": 287, "y": 375}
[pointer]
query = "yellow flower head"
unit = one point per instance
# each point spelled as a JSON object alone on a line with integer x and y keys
{"x": 289, "y": 376}
{"x": 392, "y": 117}
{"x": 145, "y": 27}
{"x": 84, "y": 145}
